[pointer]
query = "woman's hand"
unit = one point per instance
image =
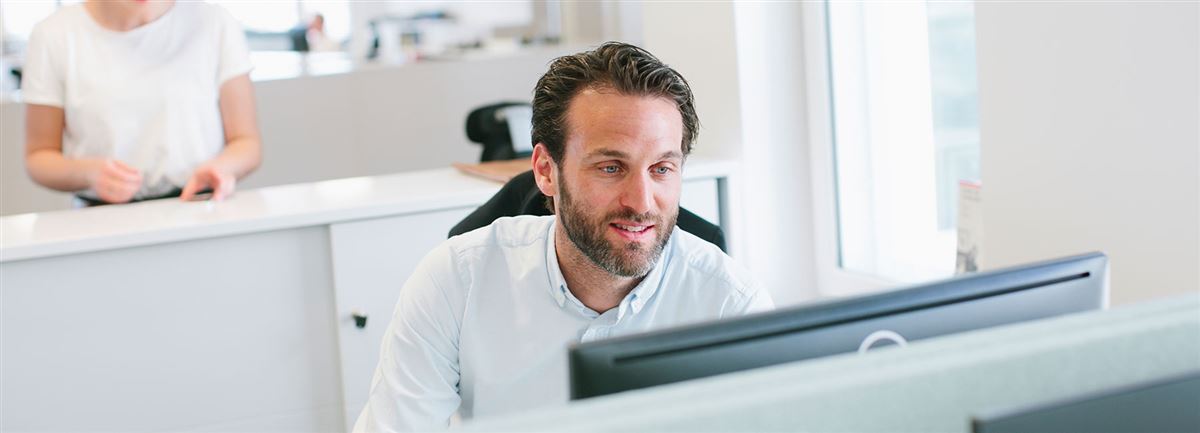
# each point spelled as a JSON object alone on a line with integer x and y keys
{"x": 113, "y": 181}
{"x": 242, "y": 153}
{"x": 209, "y": 175}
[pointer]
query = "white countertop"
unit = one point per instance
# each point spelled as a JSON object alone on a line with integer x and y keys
{"x": 35, "y": 235}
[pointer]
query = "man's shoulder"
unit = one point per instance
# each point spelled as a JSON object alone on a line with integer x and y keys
{"x": 706, "y": 263}
{"x": 457, "y": 261}
{"x": 505, "y": 233}
{"x": 519, "y": 241}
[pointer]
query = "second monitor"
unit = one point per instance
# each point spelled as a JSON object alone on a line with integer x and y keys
{"x": 963, "y": 303}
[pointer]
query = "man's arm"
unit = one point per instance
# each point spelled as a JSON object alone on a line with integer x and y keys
{"x": 755, "y": 300}
{"x": 759, "y": 302}
{"x": 416, "y": 383}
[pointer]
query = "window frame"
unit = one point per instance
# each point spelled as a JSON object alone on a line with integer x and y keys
{"x": 832, "y": 279}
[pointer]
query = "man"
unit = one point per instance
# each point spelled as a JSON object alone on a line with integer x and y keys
{"x": 483, "y": 324}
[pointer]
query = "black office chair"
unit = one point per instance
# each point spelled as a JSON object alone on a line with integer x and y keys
{"x": 299, "y": 37}
{"x": 489, "y": 126}
{"x": 521, "y": 196}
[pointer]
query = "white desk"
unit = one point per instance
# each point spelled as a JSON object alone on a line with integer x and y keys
{"x": 167, "y": 315}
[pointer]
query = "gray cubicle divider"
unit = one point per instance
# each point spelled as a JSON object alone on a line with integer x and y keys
{"x": 929, "y": 386}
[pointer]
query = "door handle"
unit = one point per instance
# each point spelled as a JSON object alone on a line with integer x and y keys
{"x": 360, "y": 318}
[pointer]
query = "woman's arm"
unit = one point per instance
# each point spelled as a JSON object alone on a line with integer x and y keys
{"x": 44, "y": 160}
{"x": 113, "y": 181}
{"x": 243, "y": 149}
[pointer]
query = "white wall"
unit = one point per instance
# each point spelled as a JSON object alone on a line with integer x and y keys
{"x": 1090, "y": 136}
{"x": 745, "y": 65}
{"x": 18, "y": 194}
{"x": 698, "y": 40}
{"x": 384, "y": 120}
{"x": 777, "y": 186}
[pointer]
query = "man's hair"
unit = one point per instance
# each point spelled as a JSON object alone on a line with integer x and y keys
{"x": 622, "y": 67}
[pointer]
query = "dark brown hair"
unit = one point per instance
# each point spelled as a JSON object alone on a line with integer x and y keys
{"x": 622, "y": 67}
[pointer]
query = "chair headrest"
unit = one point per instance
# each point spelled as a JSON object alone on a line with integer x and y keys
{"x": 484, "y": 126}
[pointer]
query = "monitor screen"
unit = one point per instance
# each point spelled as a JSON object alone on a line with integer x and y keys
{"x": 963, "y": 303}
{"x": 1166, "y": 405}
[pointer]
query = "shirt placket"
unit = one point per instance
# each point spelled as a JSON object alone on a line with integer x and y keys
{"x": 601, "y": 327}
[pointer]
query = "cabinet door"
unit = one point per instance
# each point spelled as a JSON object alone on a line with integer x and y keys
{"x": 371, "y": 261}
{"x": 229, "y": 333}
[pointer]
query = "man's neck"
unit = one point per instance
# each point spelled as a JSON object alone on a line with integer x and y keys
{"x": 123, "y": 17}
{"x": 594, "y": 287}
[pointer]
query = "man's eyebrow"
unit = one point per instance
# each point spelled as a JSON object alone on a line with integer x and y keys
{"x": 673, "y": 154}
{"x": 611, "y": 153}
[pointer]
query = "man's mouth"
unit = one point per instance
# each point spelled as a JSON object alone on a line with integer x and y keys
{"x": 633, "y": 231}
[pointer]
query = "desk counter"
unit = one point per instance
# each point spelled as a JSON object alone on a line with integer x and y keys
{"x": 133, "y": 317}
{"x": 35, "y": 235}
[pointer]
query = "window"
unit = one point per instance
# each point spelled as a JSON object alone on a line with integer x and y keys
{"x": 18, "y": 18}
{"x": 264, "y": 16}
{"x": 904, "y": 118}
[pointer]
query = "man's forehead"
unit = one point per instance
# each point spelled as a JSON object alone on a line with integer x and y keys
{"x": 593, "y": 96}
{"x": 604, "y": 122}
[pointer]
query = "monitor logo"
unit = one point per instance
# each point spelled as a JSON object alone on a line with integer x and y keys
{"x": 881, "y": 335}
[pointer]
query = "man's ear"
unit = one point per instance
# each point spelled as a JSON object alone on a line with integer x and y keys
{"x": 544, "y": 170}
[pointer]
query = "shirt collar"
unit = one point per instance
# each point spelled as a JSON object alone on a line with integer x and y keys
{"x": 558, "y": 284}
{"x": 635, "y": 300}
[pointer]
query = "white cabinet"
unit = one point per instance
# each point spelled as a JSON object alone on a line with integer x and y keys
{"x": 371, "y": 261}
{"x": 229, "y": 333}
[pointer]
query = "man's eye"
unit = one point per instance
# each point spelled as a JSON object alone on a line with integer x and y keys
{"x": 610, "y": 169}
{"x": 662, "y": 170}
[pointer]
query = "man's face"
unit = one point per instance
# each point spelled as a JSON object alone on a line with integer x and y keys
{"x": 619, "y": 179}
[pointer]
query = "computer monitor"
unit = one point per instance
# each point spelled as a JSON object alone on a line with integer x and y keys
{"x": 1165, "y": 405}
{"x": 963, "y": 303}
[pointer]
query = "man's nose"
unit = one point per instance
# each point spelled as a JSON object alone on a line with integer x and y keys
{"x": 638, "y": 193}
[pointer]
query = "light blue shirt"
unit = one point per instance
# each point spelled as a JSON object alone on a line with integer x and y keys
{"x": 483, "y": 324}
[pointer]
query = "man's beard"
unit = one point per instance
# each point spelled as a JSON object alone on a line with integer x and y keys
{"x": 629, "y": 259}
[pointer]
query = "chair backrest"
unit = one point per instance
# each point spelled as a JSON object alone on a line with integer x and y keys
{"x": 521, "y": 196}
{"x": 495, "y": 126}
{"x": 299, "y": 38}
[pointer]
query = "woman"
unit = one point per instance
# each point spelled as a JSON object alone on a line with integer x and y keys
{"x": 131, "y": 100}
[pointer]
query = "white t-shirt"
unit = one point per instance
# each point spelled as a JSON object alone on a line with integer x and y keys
{"x": 147, "y": 97}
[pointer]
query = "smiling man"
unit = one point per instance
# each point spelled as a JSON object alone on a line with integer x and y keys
{"x": 483, "y": 324}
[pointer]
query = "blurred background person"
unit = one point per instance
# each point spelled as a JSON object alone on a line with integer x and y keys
{"x": 318, "y": 40}
{"x": 310, "y": 36}
{"x": 131, "y": 100}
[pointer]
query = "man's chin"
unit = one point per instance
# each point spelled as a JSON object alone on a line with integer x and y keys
{"x": 635, "y": 261}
